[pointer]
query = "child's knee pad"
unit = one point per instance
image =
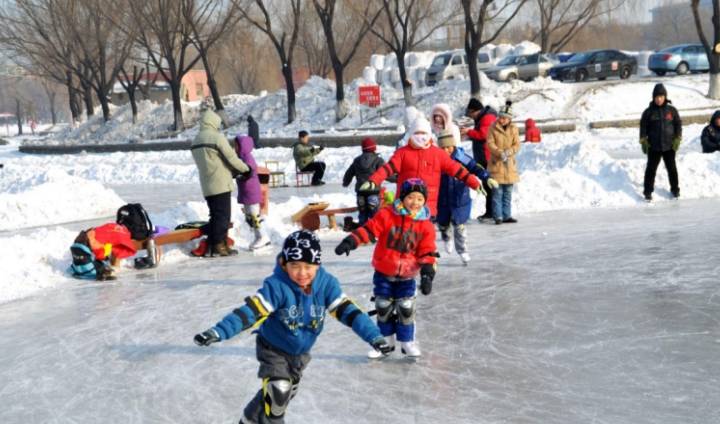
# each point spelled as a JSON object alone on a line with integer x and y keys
{"x": 385, "y": 308}
{"x": 277, "y": 393}
{"x": 253, "y": 220}
{"x": 406, "y": 310}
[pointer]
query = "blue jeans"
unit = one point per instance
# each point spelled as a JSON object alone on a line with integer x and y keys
{"x": 368, "y": 205}
{"x": 502, "y": 201}
{"x": 394, "y": 290}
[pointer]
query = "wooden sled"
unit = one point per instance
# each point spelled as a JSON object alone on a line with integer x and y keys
{"x": 309, "y": 216}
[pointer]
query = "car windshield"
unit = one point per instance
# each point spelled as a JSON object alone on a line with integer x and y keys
{"x": 670, "y": 49}
{"x": 510, "y": 60}
{"x": 580, "y": 57}
{"x": 441, "y": 60}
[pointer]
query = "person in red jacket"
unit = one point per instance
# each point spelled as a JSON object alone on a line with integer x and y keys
{"x": 484, "y": 117}
{"x": 96, "y": 250}
{"x": 421, "y": 159}
{"x": 405, "y": 246}
{"x": 532, "y": 132}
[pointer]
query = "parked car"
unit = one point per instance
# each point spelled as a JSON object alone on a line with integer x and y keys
{"x": 598, "y": 64}
{"x": 524, "y": 67}
{"x": 680, "y": 59}
{"x": 454, "y": 65}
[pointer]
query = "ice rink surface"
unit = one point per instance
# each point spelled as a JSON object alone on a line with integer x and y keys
{"x": 596, "y": 316}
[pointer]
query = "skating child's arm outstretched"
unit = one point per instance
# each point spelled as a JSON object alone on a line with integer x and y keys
{"x": 392, "y": 168}
{"x": 368, "y": 233}
{"x": 256, "y": 309}
{"x": 454, "y": 169}
{"x": 426, "y": 253}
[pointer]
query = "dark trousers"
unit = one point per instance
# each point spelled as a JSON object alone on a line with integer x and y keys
{"x": 318, "y": 170}
{"x": 274, "y": 363}
{"x": 368, "y": 205}
{"x": 216, "y": 229}
{"x": 479, "y": 156}
{"x": 653, "y": 160}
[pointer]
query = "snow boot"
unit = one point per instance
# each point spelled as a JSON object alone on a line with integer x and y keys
{"x": 510, "y": 220}
{"x": 221, "y": 249}
{"x": 498, "y": 221}
{"x": 484, "y": 216}
{"x": 446, "y": 239}
{"x": 410, "y": 349}
{"x": 261, "y": 240}
{"x": 648, "y": 197}
{"x": 465, "y": 258}
{"x": 376, "y": 354}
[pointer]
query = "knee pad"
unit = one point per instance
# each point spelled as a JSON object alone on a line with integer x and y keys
{"x": 277, "y": 393}
{"x": 385, "y": 308}
{"x": 253, "y": 220}
{"x": 406, "y": 310}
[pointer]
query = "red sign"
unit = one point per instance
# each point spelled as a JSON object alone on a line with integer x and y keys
{"x": 369, "y": 95}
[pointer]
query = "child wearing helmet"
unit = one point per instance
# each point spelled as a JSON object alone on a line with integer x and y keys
{"x": 405, "y": 247}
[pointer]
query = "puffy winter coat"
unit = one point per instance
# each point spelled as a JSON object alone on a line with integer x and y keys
{"x": 427, "y": 164}
{"x": 404, "y": 243}
{"x": 660, "y": 124}
{"x": 110, "y": 239}
{"x": 503, "y": 139}
{"x": 479, "y": 135}
{"x": 291, "y": 319}
{"x": 532, "y": 132}
{"x": 304, "y": 154}
{"x": 249, "y": 192}
{"x": 362, "y": 168}
{"x": 710, "y": 138}
{"x": 454, "y": 202}
{"x": 216, "y": 160}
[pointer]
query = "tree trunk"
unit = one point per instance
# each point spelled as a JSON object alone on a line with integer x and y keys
{"x": 87, "y": 97}
{"x": 406, "y": 85}
{"x": 72, "y": 100}
{"x": 714, "y": 91}
{"x": 475, "y": 86}
{"x": 104, "y": 104}
{"x": 18, "y": 115}
{"x": 341, "y": 107}
{"x": 178, "y": 124}
{"x": 133, "y": 104}
{"x": 290, "y": 87}
{"x": 212, "y": 84}
{"x": 53, "y": 109}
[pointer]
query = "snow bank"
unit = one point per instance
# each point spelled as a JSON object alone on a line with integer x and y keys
{"x": 53, "y": 197}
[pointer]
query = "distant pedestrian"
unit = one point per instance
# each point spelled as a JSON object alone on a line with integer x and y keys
{"x": 484, "y": 117}
{"x": 304, "y": 154}
{"x": 660, "y": 137}
{"x": 710, "y": 138}
{"x": 362, "y": 167}
{"x": 254, "y": 131}
{"x": 504, "y": 144}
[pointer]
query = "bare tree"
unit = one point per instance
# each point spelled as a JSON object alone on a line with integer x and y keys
{"x": 233, "y": 55}
{"x": 342, "y": 50}
{"x": 712, "y": 51}
{"x": 130, "y": 85}
{"x": 284, "y": 42}
{"x": 163, "y": 32}
{"x": 312, "y": 43}
{"x": 479, "y": 14}
{"x": 209, "y": 20}
{"x": 561, "y": 20}
{"x": 407, "y": 24}
{"x": 51, "y": 93}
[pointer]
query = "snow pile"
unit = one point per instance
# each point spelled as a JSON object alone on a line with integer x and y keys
{"x": 525, "y": 48}
{"x": 53, "y": 197}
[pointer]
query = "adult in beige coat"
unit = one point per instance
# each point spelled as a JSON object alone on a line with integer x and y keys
{"x": 217, "y": 164}
{"x": 503, "y": 141}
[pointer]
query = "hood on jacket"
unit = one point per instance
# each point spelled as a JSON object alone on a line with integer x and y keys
{"x": 529, "y": 123}
{"x": 245, "y": 142}
{"x": 714, "y": 117}
{"x": 210, "y": 120}
{"x": 443, "y": 110}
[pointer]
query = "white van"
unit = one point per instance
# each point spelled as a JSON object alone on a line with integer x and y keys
{"x": 453, "y": 65}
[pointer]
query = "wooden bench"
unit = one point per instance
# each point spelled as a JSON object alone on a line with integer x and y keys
{"x": 309, "y": 217}
{"x": 277, "y": 177}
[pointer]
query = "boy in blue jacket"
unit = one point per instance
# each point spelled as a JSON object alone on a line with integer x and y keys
{"x": 454, "y": 202}
{"x": 289, "y": 310}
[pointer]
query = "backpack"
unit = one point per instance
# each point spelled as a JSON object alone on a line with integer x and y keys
{"x": 135, "y": 218}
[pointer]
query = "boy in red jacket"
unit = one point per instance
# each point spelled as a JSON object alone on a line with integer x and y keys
{"x": 406, "y": 245}
{"x": 422, "y": 159}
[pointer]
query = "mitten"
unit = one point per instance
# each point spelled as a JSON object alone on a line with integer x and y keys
{"x": 644, "y": 144}
{"x": 504, "y": 155}
{"x": 492, "y": 183}
{"x": 427, "y": 274}
{"x": 368, "y": 186}
{"x": 244, "y": 176}
{"x": 382, "y": 346}
{"x": 346, "y": 246}
{"x": 676, "y": 143}
{"x": 207, "y": 337}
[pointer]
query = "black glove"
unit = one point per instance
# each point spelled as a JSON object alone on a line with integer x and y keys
{"x": 207, "y": 337}
{"x": 244, "y": 176}
{"x": 382, "y": 346}
{"x": 346, "y": 246}
{"x": 427, "y": 273}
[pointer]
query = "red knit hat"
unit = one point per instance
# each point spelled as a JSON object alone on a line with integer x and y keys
{"x": 368, "y": 145}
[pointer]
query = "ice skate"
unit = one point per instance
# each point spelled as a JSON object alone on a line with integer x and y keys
{"x": 376, "y": 354}
{"x": 410, "y": 349}
{"x": 465, "y": 258}
{"x": 261, "y": 240}
{"x": 449, "y": 246}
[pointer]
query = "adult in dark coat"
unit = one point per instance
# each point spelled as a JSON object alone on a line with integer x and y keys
{"x": 660, "y": 137}
{"x": 254, "y": 131}
{"x": 484, "y": 117}
{"x": 710, "y": 138}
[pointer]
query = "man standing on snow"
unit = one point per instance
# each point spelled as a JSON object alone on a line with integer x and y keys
{"x": 484, "y": 117}
{"x": 660, "y": 137}
{"x": 218, "y": 165}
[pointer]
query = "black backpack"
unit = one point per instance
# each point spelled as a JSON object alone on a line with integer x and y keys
{"x": 135, "y": 218}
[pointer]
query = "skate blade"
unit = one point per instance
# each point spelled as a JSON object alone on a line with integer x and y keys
{"x": 262, "y": 250}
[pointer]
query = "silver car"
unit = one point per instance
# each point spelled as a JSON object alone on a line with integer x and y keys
{"x": 453, "y": 65}
{"x": 525, "y": 67}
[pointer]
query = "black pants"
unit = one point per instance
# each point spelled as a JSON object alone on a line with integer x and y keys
{"x": 318, "y": 170}
{"x": 274, "y": 363}
{"x": 479, "y": 156}
{"x": 653, "y": 160}
{"x": 216, "y": 230}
